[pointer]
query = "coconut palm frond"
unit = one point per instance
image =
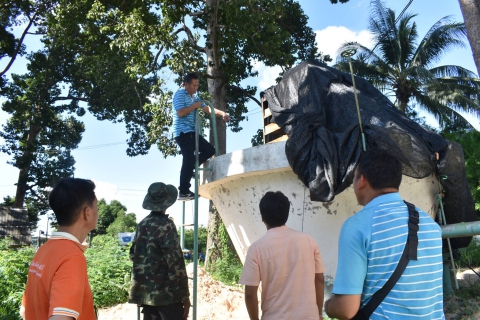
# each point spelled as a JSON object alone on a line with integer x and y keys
{"x": 379, "y": 18}
{"x": 452, "y": 71}
{"x": 398, "y": 65}
{"x": 407, "y": 36}
{"x": 421, "y": 75}
{"x": 441, "y": 38}
{"x": 454, "y": 95}
{"x": 440, "y": 111}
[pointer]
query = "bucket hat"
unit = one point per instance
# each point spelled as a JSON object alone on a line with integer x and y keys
{"x": 160, "y": 196}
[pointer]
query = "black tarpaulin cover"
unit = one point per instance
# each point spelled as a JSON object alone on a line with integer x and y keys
{"x": 315, "y": 106}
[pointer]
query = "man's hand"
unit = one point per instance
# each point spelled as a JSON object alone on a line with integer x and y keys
{"x": 186, "y": 308}
{"x": 22, "y": 312}
{"x": 225, "y": 117}
{"x": 251, "y": 301}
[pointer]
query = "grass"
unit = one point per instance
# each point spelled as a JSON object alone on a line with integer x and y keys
{"x": 464, "y": 302}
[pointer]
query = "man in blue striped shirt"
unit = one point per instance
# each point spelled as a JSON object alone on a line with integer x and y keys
{"x": 185, "y": 101}
{"x": 371, "y": 244}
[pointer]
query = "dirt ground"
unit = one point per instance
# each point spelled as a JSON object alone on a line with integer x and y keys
{"x": 217, "y": 301}
{"x": 464, "y": 303}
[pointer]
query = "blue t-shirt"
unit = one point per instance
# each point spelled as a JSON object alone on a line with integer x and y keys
{"x": 181, "y": 99}
{"x": 370, "y": 245}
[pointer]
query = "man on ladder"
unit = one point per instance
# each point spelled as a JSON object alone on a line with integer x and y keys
{"x": 185, "y": 101}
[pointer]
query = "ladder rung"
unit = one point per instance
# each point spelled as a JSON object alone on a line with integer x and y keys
{"x": 268, "y": 113}
{"x": 272, "y": 127}
{"x": 282, "y": 138}
{"x": 187, "y": 225}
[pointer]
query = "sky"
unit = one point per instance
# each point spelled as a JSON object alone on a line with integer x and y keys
{"x": 101, "y": 155}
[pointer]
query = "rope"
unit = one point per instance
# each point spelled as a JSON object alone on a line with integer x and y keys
{"x": 442, "y": 212}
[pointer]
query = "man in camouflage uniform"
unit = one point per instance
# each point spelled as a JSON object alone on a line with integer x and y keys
{"x": 159, "y": 277}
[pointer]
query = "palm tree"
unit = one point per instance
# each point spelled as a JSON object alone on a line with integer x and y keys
{"x": 400, "y": 67}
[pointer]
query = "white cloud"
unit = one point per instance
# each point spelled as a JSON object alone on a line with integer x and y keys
{"x": 107, "y": 191}
{"x": 332, "y": 37}
{"x": 266, "y": 75}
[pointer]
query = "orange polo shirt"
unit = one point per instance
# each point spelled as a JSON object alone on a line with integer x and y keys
{"x": 57, "y": 281}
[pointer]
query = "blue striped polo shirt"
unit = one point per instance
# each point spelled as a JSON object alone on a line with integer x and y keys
{"x": 181, "y": 99}
{"x": 369, "y": 247}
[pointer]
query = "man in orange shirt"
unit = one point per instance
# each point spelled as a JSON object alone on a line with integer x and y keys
{"x": 289, "y": 265}
{"x": 57, "y": 285}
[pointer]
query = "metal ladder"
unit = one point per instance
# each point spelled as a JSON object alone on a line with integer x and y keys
{"x": 198, "y": 131}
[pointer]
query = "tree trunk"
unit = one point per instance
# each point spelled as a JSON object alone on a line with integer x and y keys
{"x": 216, "y": 88}
{"x": 471, "y": 16}
{"x": 26, "y": 160}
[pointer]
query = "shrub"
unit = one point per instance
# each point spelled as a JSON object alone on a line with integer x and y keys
{"x": 14, "y": 265}
{"x": 109, "y": 271}
{"x": 228, "y": 268}
{"x": 470, "y": 256}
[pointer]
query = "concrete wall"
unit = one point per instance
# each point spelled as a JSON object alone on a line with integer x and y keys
{"x": 240, "y": 179}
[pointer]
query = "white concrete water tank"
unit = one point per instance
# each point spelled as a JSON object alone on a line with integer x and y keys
{"x": 240, "y": 179}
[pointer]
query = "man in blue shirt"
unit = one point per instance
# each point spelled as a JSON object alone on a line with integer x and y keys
{"x": 371, "y": 243}
{"x": 185, "y": 101}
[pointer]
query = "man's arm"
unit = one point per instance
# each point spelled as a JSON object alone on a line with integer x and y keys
{"x": 185, "y": 111}
{"x": 319, "y": 289}
{"x": 22, "y": 306}
{"x": 220, "y": 113}
{"x": 60, "y": 318}
{"x": 186, "y": 307}
{"x": 251, "y": 300}
{"x": 343, "y": 306}
{"x": 67, "y": 288}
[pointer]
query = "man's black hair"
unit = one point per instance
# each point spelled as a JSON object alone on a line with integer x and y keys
{"x": 274, "y": 208}
{"x": 381, "y": 169}
{"x": 69, "y": 197}
{"x": 189, "y": 77}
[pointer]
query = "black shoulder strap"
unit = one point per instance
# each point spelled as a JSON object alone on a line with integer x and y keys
{"x": 409, "y": 253}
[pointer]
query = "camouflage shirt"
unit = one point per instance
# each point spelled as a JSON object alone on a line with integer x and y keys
{"x": 158, "y": 274}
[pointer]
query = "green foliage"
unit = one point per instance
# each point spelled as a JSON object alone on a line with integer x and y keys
{"x": 470, "y": 256}
{"x": 228, "y": 268}
{"x": 14, "y": 265}
{"x": 470, "y": 141}
{"x": 257, "y": 139}
{"x": 107, "y": 213}
{"x": 123, "y": 223}
{"x": 202, "y": 239}
{"x": 109, "y": 271}
{"x": 404, "y": 68}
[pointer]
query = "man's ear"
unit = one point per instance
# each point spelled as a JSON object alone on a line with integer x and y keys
{"x": 362, "y": 182}
{"x": 86, "y": 213}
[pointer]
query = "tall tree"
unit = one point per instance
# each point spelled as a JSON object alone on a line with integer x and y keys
{"x": 37, "y": 135}
{"x": 471, "y": 16}
{"x": 400, "y": 67}
{"x": 108, "y": 213}
{"x": 75, "y": 68}
{"x": 219, "y": 39}
{"x": 125, "y": 222}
